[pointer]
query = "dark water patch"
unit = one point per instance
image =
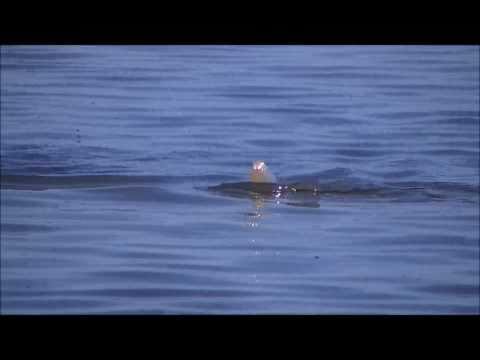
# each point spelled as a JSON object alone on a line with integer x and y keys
{"x": 34, "y": 182}
{"x": 215, "y": 145}
{"x": 47, "y": 169}
{"x": 192, "y": 154}
{"x": 148, "y": 194}
{"x": 449, "y": 134}
{"x": 143, "y": 159}
{"x": 39, "y": 182}
{"x": 343, "y": 106}
{"x": 134, "y": 109}
{"x": 343, "y": 75}
{"x": 279, "y": 248}
{"x": 452, "y": 252}
{"x": 238, "y": 95}
{"x": 34, "y": 156}
{"x": 430, "y": 118}
{"x": 438, "y": 186}
{"x": 458, "y": 113}
{"x": 315, "y": 68}
{"x": 355, "y": 153}
{"x": 261, "y": 89}
{"x": 158, "y": 123}
{"x": 461, "y": 290}
{"x": 145, "y": 120}
{"x": 207, "y": 119}
{"x": 11, "y": 113}
{"x": 420, "y": 87}
{"x": 338, "y": 95}
{"x": 406, "y": 258}
{"x": 13, "y": 202}
{"x": 51, "y": 136}
{"x": 351, "y": 229}
{"x": 272, "y": 143}
{"x": 395, "y": 174}
{"x": 293, "y": 110}
{"x": 136, "y": 292}
{"x": 433, "y": 240}
{"x": 12, "y": 53}
{"x": 451, "y": 152}
{"x": 148, "y": 90}
{"x": 425, "y": 52}
{"x": 102, "y": 151}
{"x": 458, "y": 121}
{"x": 165, "y": 292}
{"x": 212, "y": 58}
{"x": 470, "y": 69}
{"x": 400, "y": 93}
{"x": 92, "y": 250}
{"x": 442, "y": 216}
{"x": 304, "y": 204}
{"x": 454, "y": 71}
{"x": 347, "y": 160}
{"x": 26, "y": 228}
{"x": 31, "y": 260}
{"x": 330, "y": 121}
{"x": 467, "y": 255}
{"x": 413, "y": 134}
{"x": 403, "y": 115}
{"x": 345, "y": 293}
{"x": 428, "y": 62}
{"x": 352, "y": 188}
{"x": 466, "y": 144}
{"x": 225, "y": 49}
{"x": 51, "y": 93}
{"x": 125, "y": 77}
{"x": 69, "y": 86}
{"x": 51, "y": 305}
{"x": 413, "y": 307}
{"x": 250, "y": 125}
{"x": 24, "y": 66}
{"x": 160, "y": 257}
{"x": 210, "y": 268}
{"x": 186, "y": 231}
{"x": 23, "y": 284}
{"x": 158, "y": 276}
{"x": 470, "y": 163}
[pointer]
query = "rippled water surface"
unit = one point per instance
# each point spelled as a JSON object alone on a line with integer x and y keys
{"x": 109, "y": 155}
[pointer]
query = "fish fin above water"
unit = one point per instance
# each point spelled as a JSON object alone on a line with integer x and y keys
{"x": 260, "y": 173}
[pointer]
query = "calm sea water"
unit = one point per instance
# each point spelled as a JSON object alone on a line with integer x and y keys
{"x": 107, "y": 153}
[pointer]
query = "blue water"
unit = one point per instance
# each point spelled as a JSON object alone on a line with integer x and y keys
{"x": 107, "y": 154}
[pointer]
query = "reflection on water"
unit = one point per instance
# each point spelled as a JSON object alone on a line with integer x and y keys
{"x": 261, "y": 202}
{"x": 255, "y": 216}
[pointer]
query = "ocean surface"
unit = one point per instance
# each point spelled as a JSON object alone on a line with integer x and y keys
{"x": 109, "y": 155}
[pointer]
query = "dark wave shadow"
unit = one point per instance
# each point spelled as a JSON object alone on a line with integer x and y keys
{"x": 40, "y": 182}
{"x": 308, "y": 190}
